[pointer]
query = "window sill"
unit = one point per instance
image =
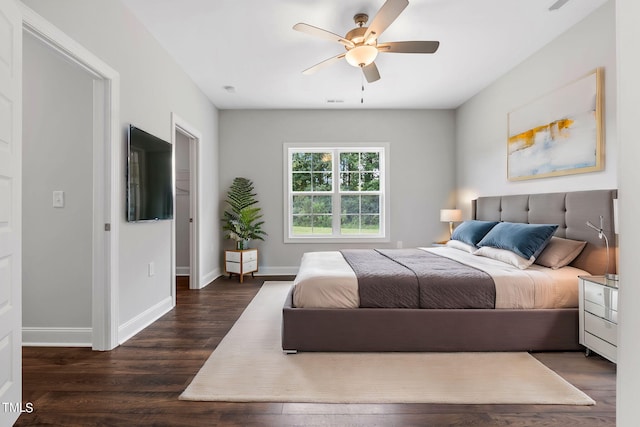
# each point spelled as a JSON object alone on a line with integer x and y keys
{"x": 334, "y": 240}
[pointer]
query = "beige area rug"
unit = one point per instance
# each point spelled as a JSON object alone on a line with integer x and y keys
{"x": 249, "y": 366}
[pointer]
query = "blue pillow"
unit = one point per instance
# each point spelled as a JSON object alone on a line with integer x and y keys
{"x": 471, "y": 232}
{"x": 526, "y": 240}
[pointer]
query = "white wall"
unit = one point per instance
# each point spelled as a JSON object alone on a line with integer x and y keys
{"x": 421, "y": 174}
{"x": 481, "y": 122}
{"x": 57, "y": 155}
{"x": 152, "y": 87}
{"x": 628, "y": 31}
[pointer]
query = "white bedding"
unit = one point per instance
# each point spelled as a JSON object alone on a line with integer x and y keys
{"x": 325, "y": 280}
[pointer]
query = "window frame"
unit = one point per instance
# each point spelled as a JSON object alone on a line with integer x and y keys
{"x": 335, "y": 193}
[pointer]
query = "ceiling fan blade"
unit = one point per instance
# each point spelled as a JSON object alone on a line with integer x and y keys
{"x": 557, "y": 5}
{"x": 319, "y": 32}
{"x": 371, "y": 72}
{"x": 385, "y": 17}
{"x": 323, "y": 64}
{"x": 409, "y": 47}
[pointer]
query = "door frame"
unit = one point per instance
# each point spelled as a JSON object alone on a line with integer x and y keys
{"x": 106, "y": 174}
{"x": 178, "y": 124}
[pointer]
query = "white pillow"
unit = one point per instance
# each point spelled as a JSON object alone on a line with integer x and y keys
{"x": 504, "y": 256}
{"x": 457, "y": 244}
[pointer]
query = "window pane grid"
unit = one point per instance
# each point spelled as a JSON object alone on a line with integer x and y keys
{"x": 360, "y": 171}
{"x": 311, "y": 171}
{"x": 360, "y": 214}
{"x": 356, "y": 199}
{"x": 312, "y": 214}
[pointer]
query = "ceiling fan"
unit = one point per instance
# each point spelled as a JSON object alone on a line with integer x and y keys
{"x": 361, "y": 43}
{"x": 558, "y": 4}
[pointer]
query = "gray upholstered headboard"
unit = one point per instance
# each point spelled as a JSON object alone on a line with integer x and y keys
{"x": 570, "y": 211}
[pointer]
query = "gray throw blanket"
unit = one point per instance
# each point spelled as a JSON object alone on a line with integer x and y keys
{"x": 414, "y": 278}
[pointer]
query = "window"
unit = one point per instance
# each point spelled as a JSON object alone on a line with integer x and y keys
{"x": 335, "y": 193}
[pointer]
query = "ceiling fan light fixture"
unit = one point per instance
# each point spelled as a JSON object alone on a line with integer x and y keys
{"x": 361, "y": 56}
{"x": 361, "y": 43}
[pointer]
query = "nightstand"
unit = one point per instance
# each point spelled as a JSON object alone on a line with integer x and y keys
{"x": 598, "y": 311}
{"x": 241, "y": 262}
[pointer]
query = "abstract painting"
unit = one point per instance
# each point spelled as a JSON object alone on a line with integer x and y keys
{"x": 559, "y": 133}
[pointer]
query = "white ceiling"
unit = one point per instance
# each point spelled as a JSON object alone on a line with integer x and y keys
{"x": 250, "y": 45}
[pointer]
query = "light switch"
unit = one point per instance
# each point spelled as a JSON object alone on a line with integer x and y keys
{"x": 58, "y": 199}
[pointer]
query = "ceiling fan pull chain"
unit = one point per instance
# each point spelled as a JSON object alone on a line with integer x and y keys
{"x": 362, "y": 91}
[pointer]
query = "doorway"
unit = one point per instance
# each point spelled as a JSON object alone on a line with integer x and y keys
{"x": 183, "y": 204}
{"x": 57, "y": 188}
{"x": 99, "y": 323}
{"x": 186, "y": 247}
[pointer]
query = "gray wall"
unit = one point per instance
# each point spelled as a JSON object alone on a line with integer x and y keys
{"x": 481, "y": 122}
{"x": 421, "y": 172}
{"x": 57, "y": 155}
{"x": 152, "y": 86}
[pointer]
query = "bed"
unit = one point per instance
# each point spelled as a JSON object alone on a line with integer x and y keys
{"x": 512, "y": 326}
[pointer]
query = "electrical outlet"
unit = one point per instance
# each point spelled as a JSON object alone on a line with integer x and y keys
{"x": 152, "y": 269}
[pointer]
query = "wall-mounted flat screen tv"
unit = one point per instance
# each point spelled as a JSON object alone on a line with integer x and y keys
{"x": 149, "y": 177}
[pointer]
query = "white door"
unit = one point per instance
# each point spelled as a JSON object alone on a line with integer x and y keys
{"x": 10, "y": 211}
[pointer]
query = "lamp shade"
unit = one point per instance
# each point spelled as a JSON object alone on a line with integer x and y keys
{"x": 361, "y": 56}
{"x": 450, "y": 215}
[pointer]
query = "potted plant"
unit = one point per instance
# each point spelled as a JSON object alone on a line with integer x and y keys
{"x": 242, "y": 221}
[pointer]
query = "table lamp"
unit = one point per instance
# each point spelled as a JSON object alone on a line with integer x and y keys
{"x": 602, "y": 235}
{"x": 450, "y": 216}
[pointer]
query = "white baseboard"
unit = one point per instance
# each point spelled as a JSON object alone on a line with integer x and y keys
{"x": 183, "y": 271}
{"x": 210, "y": 277}
{"x": 277, "y": 271}
{"x": 144, "y": 319}
{"x": 56, "y": 337}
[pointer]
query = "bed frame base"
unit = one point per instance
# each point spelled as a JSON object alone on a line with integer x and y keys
{"x": 388, "y": 329}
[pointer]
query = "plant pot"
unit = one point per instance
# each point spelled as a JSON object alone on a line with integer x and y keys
{"x": 242, "y": 244}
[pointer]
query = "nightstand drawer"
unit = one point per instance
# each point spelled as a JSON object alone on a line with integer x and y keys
{"x": 601, "y": 295}
{"x": 233, "y": 256}
{"x": 601, "y": 311}
{"x": 601, "y": 328}
{"x": 601, "y": 347}
{"x": 232, "y": 267}
{"x": 249, "y": 266}
{"x": 250, "y": 256}
{"x": 246, "y": 255}
{"x": 245, "y": 267}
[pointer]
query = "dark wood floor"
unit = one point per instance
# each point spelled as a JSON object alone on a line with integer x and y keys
{"x": 139, "y": 382}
